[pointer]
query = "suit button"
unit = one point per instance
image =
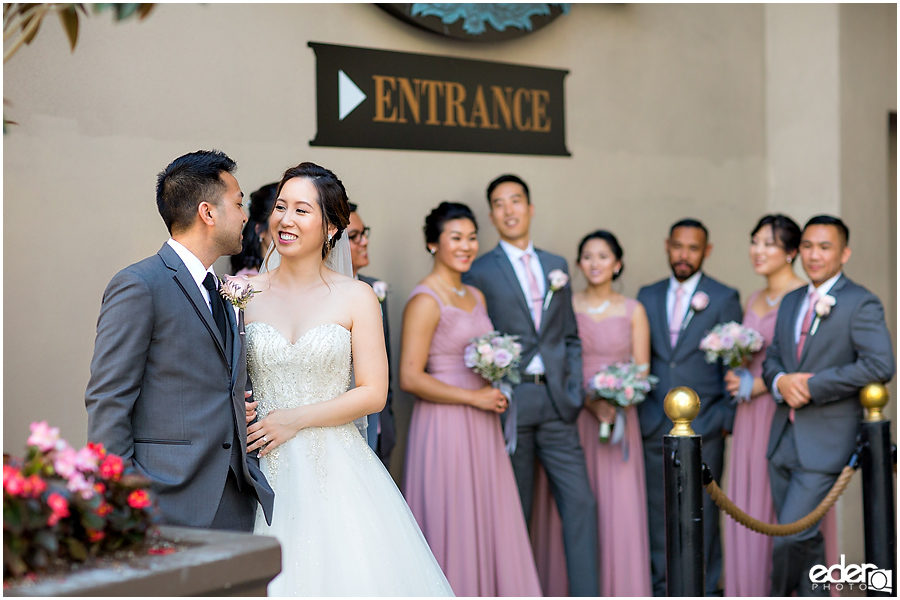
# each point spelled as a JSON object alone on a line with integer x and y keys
{"x": 226, "y": 446}
{"x": 672, "y": 365}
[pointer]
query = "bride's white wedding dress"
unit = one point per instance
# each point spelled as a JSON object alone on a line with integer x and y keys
{"x": 344, "y": 527}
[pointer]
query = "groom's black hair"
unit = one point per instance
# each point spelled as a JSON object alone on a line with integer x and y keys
{"x": 843, "y": 231}
{"x": 188, "y": 181}
{"x": 508, "y": 178}
{"x": 689, "y": 223}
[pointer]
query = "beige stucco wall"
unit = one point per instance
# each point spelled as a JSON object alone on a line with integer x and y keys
{"x": 671, "y": 110}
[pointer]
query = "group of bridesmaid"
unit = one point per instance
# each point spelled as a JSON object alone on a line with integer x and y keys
{"x": 459, "y": 481}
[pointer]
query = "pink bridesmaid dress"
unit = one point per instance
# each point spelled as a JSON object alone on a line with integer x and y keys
{"x": 748, "y": 555}
{"x": 617, "y": 483}
{"x": 459, "y": 481}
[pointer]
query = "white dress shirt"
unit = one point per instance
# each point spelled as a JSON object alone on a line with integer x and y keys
{"x": 689, "y": 286}
{"x": 194, "y": 267}
{"x": 536, "y": 366}
{"x": 798, "y": 325}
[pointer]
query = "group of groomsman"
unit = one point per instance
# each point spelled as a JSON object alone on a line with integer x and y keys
{"x": 814, "y": 373}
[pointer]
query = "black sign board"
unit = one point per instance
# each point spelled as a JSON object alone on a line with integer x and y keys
{"x": 370, "y": 98}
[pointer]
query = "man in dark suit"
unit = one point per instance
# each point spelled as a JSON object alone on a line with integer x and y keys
{"x": 514, "y": 278}
{"x": 169, "y": 371}
{"x": 682, "y": 309}
{"x": 830, "y": 341}
{"x": 380, "y": 428}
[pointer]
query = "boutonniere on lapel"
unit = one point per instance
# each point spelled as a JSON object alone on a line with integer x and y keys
{"x": 233, "y": 292}
{"x": 381, "y": 289}
{"x": 823, "y": 309}
{"x": 699, "y": 302}
{"x": 558, "y": 280}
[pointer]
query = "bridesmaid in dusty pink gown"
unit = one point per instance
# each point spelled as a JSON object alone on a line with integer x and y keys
{"x": 612, "y": 329}
{"x": 459, "y": 479}
{"x": 748, "y": 555}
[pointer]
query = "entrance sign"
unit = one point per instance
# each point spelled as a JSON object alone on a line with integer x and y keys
{"x": 368, "y": 98}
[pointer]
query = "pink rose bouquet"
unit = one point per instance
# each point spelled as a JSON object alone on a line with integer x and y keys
{"x": 494, "y": 356}
{"x": 732, "y": 342}
{"x": 621, "y": 384}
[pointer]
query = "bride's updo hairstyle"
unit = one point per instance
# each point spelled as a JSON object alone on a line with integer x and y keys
{"x": 332, "y": 199}
{"x": 611, "y": 241}
{"x": 446, "y": 211}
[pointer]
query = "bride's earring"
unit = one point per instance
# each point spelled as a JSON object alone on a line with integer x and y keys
{"x": 431, "y": 251}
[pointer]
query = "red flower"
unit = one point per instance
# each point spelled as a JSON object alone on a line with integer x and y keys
{"x": 112, "y": 467}
{"x": 161, "y": 551}
{"x": 139, "y": 499}
{"x": 38, "y": 486}
{"x": 100, "y": 487}
{"x": 104, "y": 509}
{"x": 97, "y": 448}
{"x": 13, "y": 482}
{"x": 95, "y": 536}
{"x": 60, "y": 507}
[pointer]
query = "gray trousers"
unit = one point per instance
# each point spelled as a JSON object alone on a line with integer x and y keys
{"x": 713, "y": 452}
{"x": 543, "y": 436}
{"x": 796, "y": 493}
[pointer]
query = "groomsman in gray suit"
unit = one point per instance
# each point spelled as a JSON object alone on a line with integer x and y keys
{"x": 380, "y": 427}
{"x": 682, "y": 309}
{"x": 169, "y": 373}
{"x": 514, "y": 278}
{"x": 830, "y": 341}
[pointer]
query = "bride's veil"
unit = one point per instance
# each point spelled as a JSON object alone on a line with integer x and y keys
{"x": 338, "y": 260}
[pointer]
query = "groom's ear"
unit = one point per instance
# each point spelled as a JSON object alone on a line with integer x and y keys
{"x": 204, "y": 211}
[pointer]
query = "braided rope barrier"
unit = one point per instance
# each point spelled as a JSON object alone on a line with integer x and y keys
{"x": 771, "y": 529}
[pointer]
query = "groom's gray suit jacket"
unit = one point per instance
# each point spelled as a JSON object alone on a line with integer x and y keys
{"x": 168, "y": 393}
{"x": 851, "y": 347}
{"x": 557, "y": 342}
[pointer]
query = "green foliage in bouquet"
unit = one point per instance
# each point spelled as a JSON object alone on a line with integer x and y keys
{"x": 59, "y": 503}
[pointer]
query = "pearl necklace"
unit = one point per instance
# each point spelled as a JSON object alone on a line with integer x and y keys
{"x": 598, "y": 310}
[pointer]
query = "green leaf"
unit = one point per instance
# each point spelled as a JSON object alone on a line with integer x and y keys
{"x": 69, "y": 19}
{"x": 46, "y": 539}
{"x": 123, "y": 11}
{"x": 77, "y": 549}
{"x": 90, "y": 520}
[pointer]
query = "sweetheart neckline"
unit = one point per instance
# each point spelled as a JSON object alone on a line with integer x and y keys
{"x": 299, "y": 339}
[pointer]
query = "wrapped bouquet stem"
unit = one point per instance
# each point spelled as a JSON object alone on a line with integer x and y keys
{"x": 496, "y": 357}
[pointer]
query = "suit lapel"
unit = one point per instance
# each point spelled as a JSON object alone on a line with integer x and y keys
{"x": 660, "y": 314}
{"x": 512, "y": 281}
{"x": 189, "y": 287}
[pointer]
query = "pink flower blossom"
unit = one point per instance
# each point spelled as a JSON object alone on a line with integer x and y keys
{"x": 86, "y": 460}
{"x": 824, "y": 304}
{"x": 112, "y": 467}
{"x": 487, "y": 352}
{"x": 699, "y": 301}
{"x": 78, "y": 483}
{"x": 43, "y": 436}
{"x": 558, "y": 279}
{"x": 629, "y": 392}
{"x": 14, "y": 483}
{"x": 502, "y": 358}
{"x": 64, "y": 463}
{"x": 60, "y": 507}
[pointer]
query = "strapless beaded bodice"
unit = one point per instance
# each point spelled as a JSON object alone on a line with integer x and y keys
{"x": 313, "y": 369}
{"x": 285, "y": 375}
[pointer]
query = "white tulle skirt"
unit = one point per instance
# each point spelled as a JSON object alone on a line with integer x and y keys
{"x": 344, "y": 527}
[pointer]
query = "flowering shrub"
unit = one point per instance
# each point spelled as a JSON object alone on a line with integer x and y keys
{"x": 59, "y": 503}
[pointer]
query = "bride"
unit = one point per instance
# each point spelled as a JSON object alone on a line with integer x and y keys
{"x": 344, "y": 527}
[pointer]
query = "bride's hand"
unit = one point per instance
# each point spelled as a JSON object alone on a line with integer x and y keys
{"x": 269, "y": 433}
{"x": 490, "y": 399}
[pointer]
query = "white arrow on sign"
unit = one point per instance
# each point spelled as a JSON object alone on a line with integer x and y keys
{"x": 349, "y": 95}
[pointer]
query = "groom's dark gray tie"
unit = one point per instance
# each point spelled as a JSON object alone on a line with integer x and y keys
{"x": 215, "y": 301}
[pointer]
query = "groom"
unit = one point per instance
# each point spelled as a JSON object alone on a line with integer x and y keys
{"x": 169, "y": 369}
{"x": 830, "y": 341}
{"x": 514, "y": 278}
{"x": 682, "y": 309}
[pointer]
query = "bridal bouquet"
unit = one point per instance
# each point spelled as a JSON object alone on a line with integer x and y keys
{"x": 732, "y": 342}
{"x": 621, "y": 384}
{"x": 494, "y": 356}
{"x": 62, "y": 503}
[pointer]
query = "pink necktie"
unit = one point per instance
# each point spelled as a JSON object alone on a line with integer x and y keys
{"x": 536, "y": 299}
{"x": 677, "y": 315}
{"x": 804, "y": 333}
{"x": 807, "y": 322}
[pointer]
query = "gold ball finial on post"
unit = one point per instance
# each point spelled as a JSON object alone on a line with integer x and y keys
{"x": 682, "y": 405}
{"x": 874, "y": 397}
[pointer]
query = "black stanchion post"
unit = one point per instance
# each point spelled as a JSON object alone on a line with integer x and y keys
{"x": 877, "y": 461}
{"x": 684, "y": 496}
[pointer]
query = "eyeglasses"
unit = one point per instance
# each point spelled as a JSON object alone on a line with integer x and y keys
{"x": 357, "y": 236}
